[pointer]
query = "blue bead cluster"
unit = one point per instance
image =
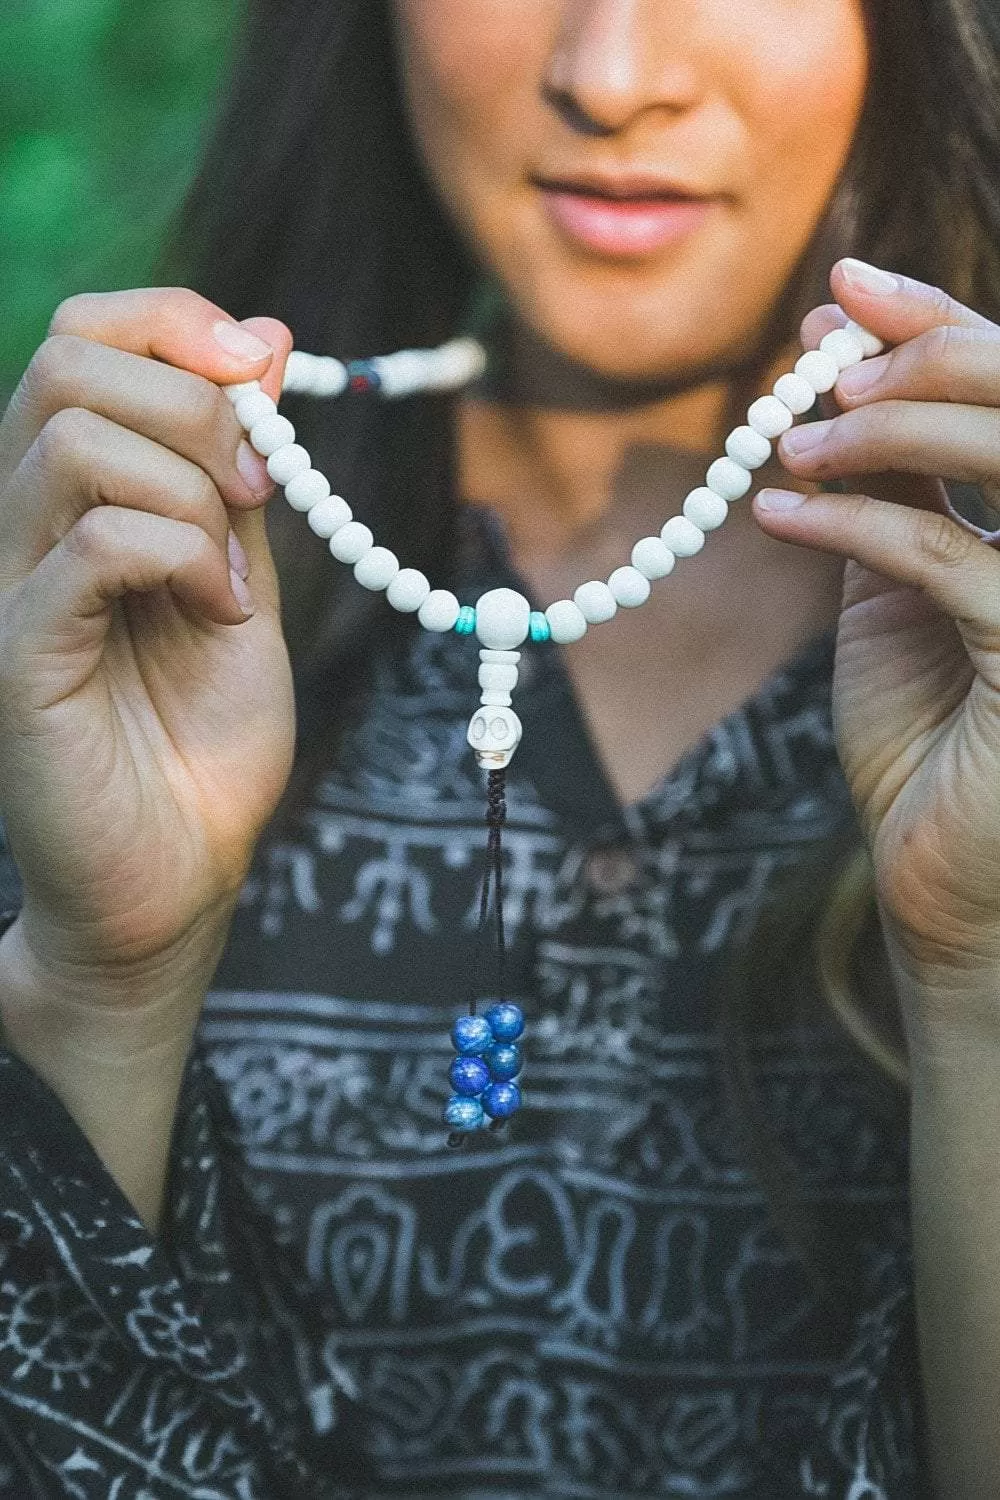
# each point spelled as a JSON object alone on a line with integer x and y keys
{"x": 483, "y": 1073}
{"x": 466, "y": 622}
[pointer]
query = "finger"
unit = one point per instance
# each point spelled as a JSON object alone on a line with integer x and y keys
{"x": 64, "y": 606}
{"x": 948, "y": 363}
{"x": 171, "y": 324}
{"x": 81, "y": 460}
{"x": 910, "y": 437}
{"x": 894, "y": 307}
{"x": 917, "y": 548}
{"x": 181, "y": 411}
{"x": 250, "y": 528}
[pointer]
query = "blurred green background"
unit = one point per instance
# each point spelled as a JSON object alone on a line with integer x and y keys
{"x": 103, "y": 104}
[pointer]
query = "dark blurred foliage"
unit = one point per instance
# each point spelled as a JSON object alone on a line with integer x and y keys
{"x": 102, "y": 109}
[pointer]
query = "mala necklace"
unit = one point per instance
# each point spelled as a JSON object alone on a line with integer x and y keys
{"x": 488, "y": 1060}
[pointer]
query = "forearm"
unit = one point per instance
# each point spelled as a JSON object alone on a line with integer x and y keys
{"x": 955, "y": 1178}
{"x": 115, "y": 1057}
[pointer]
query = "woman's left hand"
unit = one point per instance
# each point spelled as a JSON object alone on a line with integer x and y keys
{"x": 917, "y": 679}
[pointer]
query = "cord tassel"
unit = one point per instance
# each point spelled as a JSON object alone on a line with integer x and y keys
{"x": 489, "y": 1060}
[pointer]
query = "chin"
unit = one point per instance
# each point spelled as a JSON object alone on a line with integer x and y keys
{"x": 631, "y": 337}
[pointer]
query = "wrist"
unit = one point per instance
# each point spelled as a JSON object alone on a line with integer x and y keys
{"x": 75, "y": 1008}
{"x": 949, "y": 999}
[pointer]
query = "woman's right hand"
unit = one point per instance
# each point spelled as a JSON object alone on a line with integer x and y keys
{"x": 146, "y": 724}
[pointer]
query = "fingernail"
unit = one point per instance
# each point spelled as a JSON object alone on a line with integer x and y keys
{"x": 253, "y": 470}
{"x": 237, "y": 557}
{"x": 239, "y": 341}
{"x": 858, "y": 273}
{"x": 780, "y": 499}
{"x": 858, "y": 378}
{"x": 800, "y": 439}
{"x": 241, "y": 593}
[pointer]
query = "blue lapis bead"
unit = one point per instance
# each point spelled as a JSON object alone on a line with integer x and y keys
{"x": 538, "y": 626}
{"x": 501, "y": 1100}
{"x": 472, "y": 1034}
{"x": 463, "y": 1114}
{"x": 506, "y": 1020}
{"x": 470, "y": 1075}
{"x": 466, "y": 622}
{"x": 504, "y": 1062}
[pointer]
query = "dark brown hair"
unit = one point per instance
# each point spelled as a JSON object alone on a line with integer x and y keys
{"x": 312, "y": 205}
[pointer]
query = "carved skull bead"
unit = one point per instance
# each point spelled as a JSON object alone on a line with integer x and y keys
{"x": 494, "y": 734}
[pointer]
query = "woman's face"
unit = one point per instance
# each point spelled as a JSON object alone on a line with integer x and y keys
{"x": 641, "y": 175}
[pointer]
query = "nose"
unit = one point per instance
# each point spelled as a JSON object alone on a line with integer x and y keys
{"x": 613, "y": 60}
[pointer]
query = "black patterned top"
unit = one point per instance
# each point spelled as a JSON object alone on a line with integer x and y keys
{"x": 597, "y": 1301}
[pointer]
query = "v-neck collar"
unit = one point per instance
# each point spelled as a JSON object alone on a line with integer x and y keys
{"x": 558, "y": 753}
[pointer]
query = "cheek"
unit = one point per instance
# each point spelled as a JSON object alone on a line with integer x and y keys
{"x": 467, "y": 66}
{"x": 802, "y": 101}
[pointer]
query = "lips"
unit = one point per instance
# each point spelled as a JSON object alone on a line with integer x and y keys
{"x": 622, "y": 217}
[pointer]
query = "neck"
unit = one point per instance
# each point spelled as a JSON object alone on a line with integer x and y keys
{"x": 560, "y": 454}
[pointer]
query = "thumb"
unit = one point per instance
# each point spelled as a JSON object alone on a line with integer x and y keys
{"x": 275, "y": 333}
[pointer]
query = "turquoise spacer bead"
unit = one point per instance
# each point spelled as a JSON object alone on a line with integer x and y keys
{"x": 466, "y": 622}
{"x": 538, "y": 626}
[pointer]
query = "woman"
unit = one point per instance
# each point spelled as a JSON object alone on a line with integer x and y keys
{"x": 633, "y": 205}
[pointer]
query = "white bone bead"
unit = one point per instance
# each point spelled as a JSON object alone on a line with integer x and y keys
{"x": 748, "y": 447}
{"x": 271, "y": 433}
{"x": 377, "y": 568}
{"x": 728, "y": 479}
{"x": 629, "y": 587}
{"x": 490, "y": 698}
{"x": 242, "y": 388}
{"x": 505, "y": 658}
{"x": 502, "y": 617}
{"x": 845, "y": 346}
{"x": 769, "y": 416}
{"x": 252, "y": 406}
{"x": 653, "y": 557}
{"x": 286, "y": 462}
{"x": 496, "y": 677}
{"x": 870, "y": 342}
{"x": 408, "y": 590}
{"x": 682, "y": 536}
{"x": 797, "y": 394}
{"x": 439, "y": 610}
{"x": 329, "y": 515}
{"x": 821, "y": 370}
{"x": 567, "y": 622}
{"x": 596, "y": 602}
{"x": 314, "y": 374}
{"x": 306, "y": 490}
{"x": 706, "y": 508}
{"x": 350, "y": 543}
